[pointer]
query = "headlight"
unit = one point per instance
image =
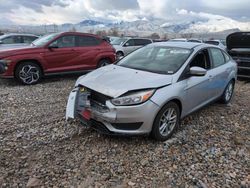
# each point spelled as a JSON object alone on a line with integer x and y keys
{"x": 134, "y": 98}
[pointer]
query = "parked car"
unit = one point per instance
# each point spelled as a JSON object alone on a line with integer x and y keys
{"x": 124, "y": 46}
{"x": 15, "y": 40}
{"x": 178, "y": 40}
{"x": 238, "y": 45}
{"x": 185, "y": 40}
{"x": 219, "y": 43}
{"x": 57, "y": 53}
{"x": 154, "y": 88}
{"x": 112, "y": 38}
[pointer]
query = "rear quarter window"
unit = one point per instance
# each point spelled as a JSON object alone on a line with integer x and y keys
{"x": 142, "y": 42}
{"x": 227, "y": 57}
{"x": 83, "y": 41}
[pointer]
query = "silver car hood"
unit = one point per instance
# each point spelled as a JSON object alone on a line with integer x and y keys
{"x": 114, "y": 81}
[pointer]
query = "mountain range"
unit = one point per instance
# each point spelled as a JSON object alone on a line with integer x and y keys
{"x": 143, "y": 27}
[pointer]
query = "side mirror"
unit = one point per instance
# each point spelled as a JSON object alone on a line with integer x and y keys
{"x": 52, "y": 46}
{"x": 197, "y": 71}
{"x": 126, "y": 44}
{"x": 1, "y": 42}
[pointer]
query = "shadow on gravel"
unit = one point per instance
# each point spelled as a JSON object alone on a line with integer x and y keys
{"x": 59, "y": 78}
{"x": 45, "y": 80}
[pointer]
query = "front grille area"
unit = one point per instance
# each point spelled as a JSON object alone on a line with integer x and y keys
{"x": 98, "y": 97}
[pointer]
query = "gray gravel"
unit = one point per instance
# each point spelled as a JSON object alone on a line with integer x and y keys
{"x": 211, "y": 149}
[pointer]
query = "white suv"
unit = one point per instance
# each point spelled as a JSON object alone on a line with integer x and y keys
{"x": 124, "y": 46}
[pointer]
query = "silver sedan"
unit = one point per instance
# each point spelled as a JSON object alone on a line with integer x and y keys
{"x": 152, "y": 89}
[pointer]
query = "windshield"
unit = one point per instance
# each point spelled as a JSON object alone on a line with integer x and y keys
{"x": 119, "y": 41}
{"x": 45, "y": 39}
{"x": 157, "y": 59}
{"x": 2, "y": 37}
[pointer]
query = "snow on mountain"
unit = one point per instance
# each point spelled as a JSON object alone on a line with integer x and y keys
{"x": 217, "y": 24}
{"x": 199, "y": 23}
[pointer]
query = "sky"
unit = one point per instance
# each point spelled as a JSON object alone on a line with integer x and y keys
{"x": 37, "y": 12}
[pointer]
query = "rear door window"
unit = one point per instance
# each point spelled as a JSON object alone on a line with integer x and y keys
{"x": 87, "y": 41}
{"x": 142, "y": 42}
{"x": 217, "y": 57}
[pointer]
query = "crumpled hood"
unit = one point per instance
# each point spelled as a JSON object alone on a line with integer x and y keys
{"x": 115, "y": 81}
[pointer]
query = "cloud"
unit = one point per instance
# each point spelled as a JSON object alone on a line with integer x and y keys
{"x": 62, "y": 11}
{"x": 113, "y": 5}
{"x": 35, "y": 5}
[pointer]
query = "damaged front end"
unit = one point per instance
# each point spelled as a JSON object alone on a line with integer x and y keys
{"x": 96, "y": 110}
{"x": 89, "y": 106}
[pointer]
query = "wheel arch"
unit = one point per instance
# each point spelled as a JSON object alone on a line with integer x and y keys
{"x": 120, "y": 51}
{"x": 175, "y": 100}
{"x": 29, "y": 60}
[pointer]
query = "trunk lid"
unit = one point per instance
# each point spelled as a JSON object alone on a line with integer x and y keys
{"x": 240, "y": 40}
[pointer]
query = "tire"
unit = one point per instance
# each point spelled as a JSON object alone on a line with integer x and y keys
{"x": 163, "y": 129}
{"x": 119, "y": 55}
{"x": 228, "y": 93}
{"x": 28, "y": 73}
{"x": 103, "y": 62}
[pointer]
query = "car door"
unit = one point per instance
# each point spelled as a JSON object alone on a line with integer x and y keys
{"x": 61, "y": 54}
{"x": 129, "y": 46}
{"x": 221, "y": 71}
{"x": 88, "y": 48}
{"x": 199, "y": 88}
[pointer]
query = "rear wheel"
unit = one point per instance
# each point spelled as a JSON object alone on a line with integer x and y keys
{"x": 166, "y": 122}
{"x": 119, "y": 55}
{"x": 28, "y": 73}
{"x": 228, "y": 93}
{"x": 104, "y": 62}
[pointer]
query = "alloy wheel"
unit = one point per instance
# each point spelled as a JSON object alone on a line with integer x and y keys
{"x": 229, "y": 92}
{"x": 29, "y": 74}
{"x": 167, "y": 121}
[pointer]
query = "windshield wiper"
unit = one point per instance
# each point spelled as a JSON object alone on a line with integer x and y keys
{"x": 146, "y": 70}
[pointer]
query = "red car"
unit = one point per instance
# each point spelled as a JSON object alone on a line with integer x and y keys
{"x": 57, "y": 53}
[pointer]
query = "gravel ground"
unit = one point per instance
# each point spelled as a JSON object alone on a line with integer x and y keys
{"x": 211, "y": 149}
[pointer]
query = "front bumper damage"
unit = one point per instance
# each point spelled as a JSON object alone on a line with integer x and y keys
{"x": 107, "y": 118}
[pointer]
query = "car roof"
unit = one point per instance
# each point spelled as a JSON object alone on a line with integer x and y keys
{"x": 18, "y": 34}
{"x": 187, "y": 45}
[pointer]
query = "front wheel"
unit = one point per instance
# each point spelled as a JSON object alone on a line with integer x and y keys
{"x": 228, "y": 93}
{"x": 166, "y": 122}
{"x": 28, "y": 73}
